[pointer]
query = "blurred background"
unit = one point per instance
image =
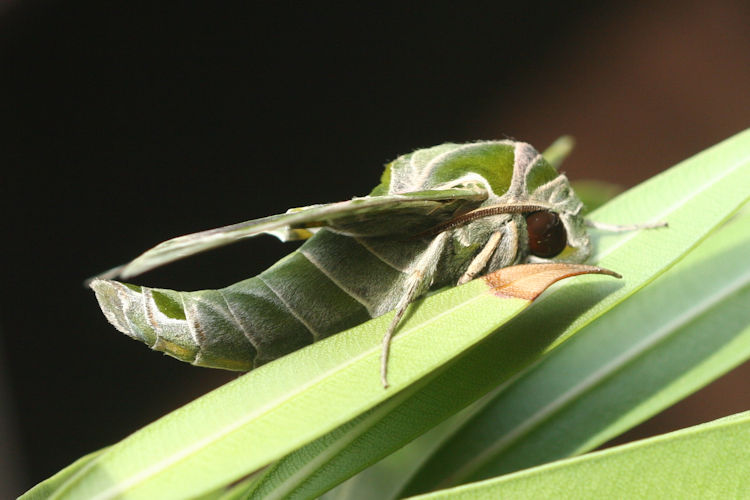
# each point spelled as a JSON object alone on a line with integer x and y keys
{"x": 126, "y": 123}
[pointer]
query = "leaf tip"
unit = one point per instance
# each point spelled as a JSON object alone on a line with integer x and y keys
{"x": 528, "y": 281}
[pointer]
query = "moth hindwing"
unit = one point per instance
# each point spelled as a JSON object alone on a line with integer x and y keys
{"x": 440, "y": 216}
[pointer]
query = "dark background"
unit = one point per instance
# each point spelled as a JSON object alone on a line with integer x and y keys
{"x": 126, "y": 123}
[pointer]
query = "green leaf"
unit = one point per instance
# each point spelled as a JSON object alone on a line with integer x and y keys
{"x": 595, "y": 194}
{"x": 262, "y": 416}
{"x": 46, "y": 488}
{"x": 694, "y": 197}
{"x": 678, "y": 334}
{"x": 282, "y": 406}
{"x": 711, "y": 460}
{"x": 556, "y": 153}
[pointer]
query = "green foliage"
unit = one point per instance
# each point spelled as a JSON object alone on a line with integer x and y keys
{"x": 577, "y": 358}
{"x": 704, "y": 461}
{"x": 693, "y": 326}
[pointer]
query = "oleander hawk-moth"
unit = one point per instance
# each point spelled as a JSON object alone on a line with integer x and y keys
{"x": 440, "y": 216}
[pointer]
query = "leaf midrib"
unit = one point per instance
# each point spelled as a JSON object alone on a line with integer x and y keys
{"x": 126, "y": 484}
{"x": 597, "y": 378}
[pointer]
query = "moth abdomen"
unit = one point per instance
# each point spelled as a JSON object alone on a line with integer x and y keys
{"x": 189, "y": 326}
{"x": 309, "y": 295}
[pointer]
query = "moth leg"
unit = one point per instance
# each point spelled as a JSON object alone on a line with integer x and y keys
{"x": 616, "y": 228}
{"x": 419, "y": 279}
{"x": 507, "y": 252}
{"x": 482, "y": 258}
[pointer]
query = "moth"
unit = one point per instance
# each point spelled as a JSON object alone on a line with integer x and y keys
{"x": 440, "y": 216}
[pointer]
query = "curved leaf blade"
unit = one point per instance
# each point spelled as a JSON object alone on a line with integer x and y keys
{"x": 260, "y": 417}
{"x": 705, "y": 461}
{"x": 678, "y": 334}
{"x": 46, "y": 488}
{"x": 720, "y": 175}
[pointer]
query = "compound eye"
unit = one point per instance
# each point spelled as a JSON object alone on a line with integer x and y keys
{"x": 547, "y": 236}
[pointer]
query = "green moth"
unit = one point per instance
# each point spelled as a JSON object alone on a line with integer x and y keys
{"x": 440, "y": 216}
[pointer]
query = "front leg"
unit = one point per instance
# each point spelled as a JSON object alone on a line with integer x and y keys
{"x": 480, "y": 261}
{"x": 510, "y": 249}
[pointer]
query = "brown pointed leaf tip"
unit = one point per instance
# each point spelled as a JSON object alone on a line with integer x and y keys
{"x": 527, "y": 281}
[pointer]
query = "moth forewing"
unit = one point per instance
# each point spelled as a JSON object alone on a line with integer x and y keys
{"x": 364, "y": 216}
{"x": 440, "y": 216}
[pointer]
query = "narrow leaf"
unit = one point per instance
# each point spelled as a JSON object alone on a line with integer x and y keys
{"x": 711, "y": 460}
{"x": 681, "y": 332}
{"x": 556, "y": 153}
{"x": 46, "y": 488}
{"x": 694, "y": 197}
{"x": 260, "y": 417}
{"x": 595, "y": 194}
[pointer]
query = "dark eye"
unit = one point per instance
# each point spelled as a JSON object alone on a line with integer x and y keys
{"x": 547, "y": 236}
